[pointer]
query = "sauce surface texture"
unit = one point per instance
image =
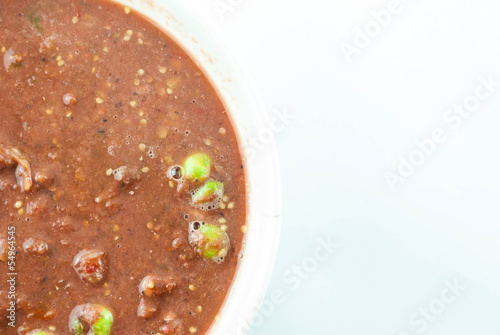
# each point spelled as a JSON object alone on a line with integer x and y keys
{"x": 121, "y": 179}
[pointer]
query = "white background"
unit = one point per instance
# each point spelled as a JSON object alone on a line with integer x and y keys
{"x": 355, "y": 121}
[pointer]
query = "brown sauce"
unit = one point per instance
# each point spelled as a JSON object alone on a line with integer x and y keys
{"x": 97, "y": 108}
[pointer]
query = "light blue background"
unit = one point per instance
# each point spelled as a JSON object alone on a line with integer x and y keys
{"x": 398, "y": 252}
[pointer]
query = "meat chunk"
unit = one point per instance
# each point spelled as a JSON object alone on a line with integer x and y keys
{"x": 64, "y": 225}
{"x": 147, "y": 308}
{"x": 10, "y": 157}
{"x": 44, "y": 178}
{"x": 39, "y": 205}
{"x": 35, "y": 246}
{"x": 12, "y": 59}
{"x": 154, "y": 285}
{"x": 125, "y": 177}
{"x": 90, "y": 265}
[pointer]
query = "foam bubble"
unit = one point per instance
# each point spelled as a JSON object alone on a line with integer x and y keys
{"x": 176, "y": 172}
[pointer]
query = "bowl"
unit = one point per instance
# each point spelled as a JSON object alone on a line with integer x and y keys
{"x": 249, "y": 119}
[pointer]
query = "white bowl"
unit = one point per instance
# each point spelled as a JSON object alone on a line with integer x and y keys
{"x": 249, "y": 118}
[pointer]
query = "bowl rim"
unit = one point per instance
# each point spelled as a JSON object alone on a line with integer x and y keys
{"x": 237, "y": 91}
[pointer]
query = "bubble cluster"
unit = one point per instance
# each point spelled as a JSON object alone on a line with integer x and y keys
{"x": 210, "y": 204}
{"x": 119, "y": 173}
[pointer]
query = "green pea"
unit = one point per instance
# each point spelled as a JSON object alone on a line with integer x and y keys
{"x": 77, "y": 327}
{"x": 103, "y": 325}
{"x": 197, "y": 166}
{"x": 210, "y": 192}
{"x": 209, "y": 240}
{"x": 40, "y": 332}
{"x": 84, "y": 315}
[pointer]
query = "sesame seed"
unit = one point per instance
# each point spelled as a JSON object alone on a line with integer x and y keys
{"x": 129, "y": 32}
{"x": 162, "y": 69}
{"x": 60, "y": 63}
{"x": 126, "y": 38}
{"x": 145, "y": 169}
{"x": 191, "y": 287}
{"x": 74, "y": 19}
{"x": 133, "y": 103}
{"x": 230, "y": 205}
{"x": 171, "y": 184}
{"x": 105, "y": 49}
{"x": 149, "y": 225}
{"x": 116, "y": 238}
{"x": 162, "y": 133}
{"x": 223, "y": 227}
{"x": 136, "y": 81}
{"x": 115, "y": 228}
{"x": 207, "y": 141}
{"x": 3, "y": 49}
{"x": 59, "y": 58}
{"x": 169, "y": 90}
{"x": 151, "y": 284}
{"x": 142, "y": 146}
{"x": 222, "y": 220}
{"x": 222, "y": 252}
{"x": 222, "y": 205}
{"x": 108, "y": 292}
{"x": 199, "y": 309}
{"x": 140, "y": 72}
{"x": 99, "y": 100}
{"x": 127, "y": 10}
{"x": 222, "y": 131}
{"x": 68, "y": 114}
{"x": 109, "y": 172}
{"x": 192, "y": 330}
{"x": 140, "y": 41}
{"x": 143, "y": 121}
{"x": 18, "y": 204}
{"x": 244, "y": 229}
{"x": 49, "y": 111}
{"x": 225, "y": 198}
